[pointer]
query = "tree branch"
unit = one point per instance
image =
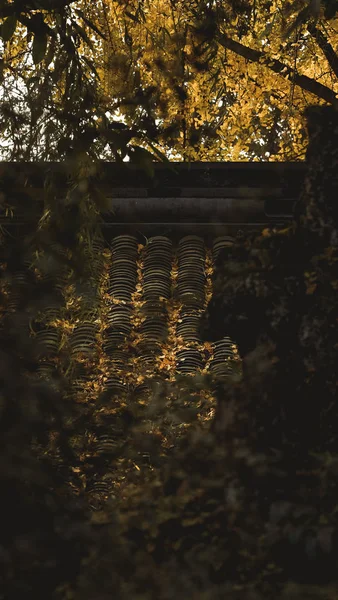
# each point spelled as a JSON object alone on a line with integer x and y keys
{"x": 325, "y": 46}
{"x": 306, "y": 83}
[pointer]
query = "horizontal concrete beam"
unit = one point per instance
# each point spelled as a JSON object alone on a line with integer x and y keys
{"x": 175, "y": 231}
{"x": 179, "y": 193}
{"x": 201, "y": 192}
{"x": 188, "y": 175}
{"x": 202, "y": 209}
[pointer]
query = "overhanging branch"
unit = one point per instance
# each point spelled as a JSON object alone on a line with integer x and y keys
{"x": 325, "y": 46}
{"x": 306, "y": 83}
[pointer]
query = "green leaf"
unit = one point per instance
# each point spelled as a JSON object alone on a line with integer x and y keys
{"x": 8, "y": 27}
{"x": 39, "y": 47}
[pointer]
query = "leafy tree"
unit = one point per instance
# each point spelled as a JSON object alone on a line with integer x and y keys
{"x": 196, "y": 80}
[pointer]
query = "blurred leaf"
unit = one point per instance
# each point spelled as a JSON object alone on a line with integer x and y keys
{"x": 163, "y": 157}
{"x": 90, "y": 24}
{"x": 144, "y": 158}
{"x": 186, "y": 414}
{"x": 181, "y": 93}
{"x": 83, "y": 35}
{"x": 117, "y": 125}
{"x": 324, "y": 537}
{"x": 294, "y": 534}
{"x": 279, "y": 510}
{"x": 310, "y": 546}
{"x": 266, "y": 32}
{"x": 131, "y": 16}
{"x": 8, "y": 28}
{"x": 32, "y": 80}
{"x": 102, "y": 201}
{"x": 39, "y": 47}
{"x": 50, "y": 53}
{"x": 91, "y": 65}
{"x": 127, "y": 37}
{"x": 115, "y": 139}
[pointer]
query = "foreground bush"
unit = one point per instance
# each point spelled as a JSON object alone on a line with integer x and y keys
{"x": 248, "y": 508}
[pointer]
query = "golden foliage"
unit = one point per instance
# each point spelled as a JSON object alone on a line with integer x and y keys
{"x": 158, "y": 66}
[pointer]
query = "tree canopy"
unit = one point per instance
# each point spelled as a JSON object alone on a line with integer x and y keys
{"x": 211, "y": 81}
